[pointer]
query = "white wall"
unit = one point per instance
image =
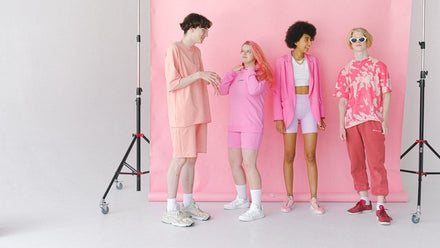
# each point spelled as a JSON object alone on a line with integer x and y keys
{"x": 67, "y": 91}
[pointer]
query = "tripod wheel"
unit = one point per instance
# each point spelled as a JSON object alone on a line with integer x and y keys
{"x": 119, "y": 185}
{"x": 104, "y": 207}
{"x": 415, "y": 218}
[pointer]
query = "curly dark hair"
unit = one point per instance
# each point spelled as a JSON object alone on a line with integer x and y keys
{"x": 194, "y": 20}
{"x": 296, "y": 31}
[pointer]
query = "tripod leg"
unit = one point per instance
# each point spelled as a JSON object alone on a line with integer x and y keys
{"x": 407, "y": 150}
{"x": 432, "y": 149}
{"x": 146, "y": 139}
{"x": 104, "y": 205}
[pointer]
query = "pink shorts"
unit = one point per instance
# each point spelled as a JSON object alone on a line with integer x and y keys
{"x": 188, "y": 141}
{"x": 245, "y": 140}
{"x": 304, "y": 115}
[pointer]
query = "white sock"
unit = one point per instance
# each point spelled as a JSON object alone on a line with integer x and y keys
{"x": 256, "y": 196}
{"x": 366, "y": 199}
{"x": 241, "y": 191}
{"x": 171, "y": 204}
{"x": 379, "y": 204}
{"x": 187, "y": 199}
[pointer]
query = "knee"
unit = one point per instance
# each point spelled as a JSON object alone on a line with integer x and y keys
{"x": 249, "y": 166}
{"x": 289, "y": 157}
{"x": 310, "y": 157}
{"x": 178, "y": 163}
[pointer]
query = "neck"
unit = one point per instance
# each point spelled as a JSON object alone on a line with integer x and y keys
{"x": 297, "y": 54}
{"x": 360, "y": 55}
{"x": 250, "y": 64}
{"x": 187, "y": 41}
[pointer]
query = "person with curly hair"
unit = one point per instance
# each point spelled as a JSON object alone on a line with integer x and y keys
{"x": 246, "y": 84}
{"x": 297, "y": 100}
{"x": 364, "y": 91}
{"x": 189, "y": 114}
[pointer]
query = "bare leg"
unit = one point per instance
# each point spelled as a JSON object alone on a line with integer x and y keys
{"x": 235, "y": 161}
{"x": 188, "y": 175}
{"x": 289, "y": 156}
{"x": 310, "y": 140}
{"x": 250, "y": 165}
{"x": 173, "y": 176}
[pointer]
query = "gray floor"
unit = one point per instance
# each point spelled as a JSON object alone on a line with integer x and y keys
{"x": 69, "y": 216}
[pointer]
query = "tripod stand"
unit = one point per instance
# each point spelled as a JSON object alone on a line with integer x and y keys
{"x": 415, "y": 218}
{"x": 136, "y": 137}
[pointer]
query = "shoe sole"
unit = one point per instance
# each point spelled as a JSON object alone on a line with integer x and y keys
{"x": 249, "y": 220}
{"x": 176, "y": 224}
{"x": 361, "y": 212}
{"x": 200, "y": 218}
{"x": 316, "y": 212}
{"x": 240, "y": 207}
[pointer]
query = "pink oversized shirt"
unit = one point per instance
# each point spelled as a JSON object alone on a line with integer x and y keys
{"x": 284, "y": 90}
{"x": 189, "y": 105}
{"x": 363, "y": 83}
{"x": 246, "y": 100}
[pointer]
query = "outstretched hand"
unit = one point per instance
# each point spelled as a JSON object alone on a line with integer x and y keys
{"x": 211, "y": 78}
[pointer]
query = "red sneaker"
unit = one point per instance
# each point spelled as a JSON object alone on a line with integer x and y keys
{"x": 360, "y": 208}
{"x": 382, "y": 216}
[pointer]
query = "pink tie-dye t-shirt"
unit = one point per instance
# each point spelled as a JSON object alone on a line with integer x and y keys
{"x": 363, "y": 83}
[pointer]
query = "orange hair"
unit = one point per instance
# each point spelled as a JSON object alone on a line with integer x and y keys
{"x": 264, "y": 71}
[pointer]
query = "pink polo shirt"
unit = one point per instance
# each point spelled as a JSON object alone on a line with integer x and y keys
{"x": 189, "y": 105}
{"x": 363, "y": 83}
{"x": 246, "y": 100}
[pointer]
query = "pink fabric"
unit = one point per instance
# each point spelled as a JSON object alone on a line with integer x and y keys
{"x": 363, "y": 84}
{"x": 284, "y": 90}
{"x": 366, "y": 142}
{"x": 221, "y": 50}
{"x": 245, "y": 140}
{"x": 190, "y": 105}
{"x": 303, "y": 114}
{"x": 246, "y": 100}
{"x": 188, "y": 141}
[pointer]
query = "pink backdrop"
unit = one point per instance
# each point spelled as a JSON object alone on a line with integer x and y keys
{"x": 266, "y": 23}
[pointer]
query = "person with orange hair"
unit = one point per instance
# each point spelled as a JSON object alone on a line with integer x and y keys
{"x": 297, "y": 99}
{"x": 246, "y": 85}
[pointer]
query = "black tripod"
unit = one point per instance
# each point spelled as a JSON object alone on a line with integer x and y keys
{"x": 415, "y": 218}
{"x": 136, "y": 137}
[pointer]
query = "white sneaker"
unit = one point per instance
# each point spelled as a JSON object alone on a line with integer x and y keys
{"x": 254, "y": 213}
{"x": 237, "y": 203}
{"x": 176, "y": 218}
{"x": 195, "y": 212}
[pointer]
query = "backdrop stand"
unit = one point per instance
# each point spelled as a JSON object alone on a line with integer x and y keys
{"x": 136, "y": 137}
{"x": 415, "y": 218}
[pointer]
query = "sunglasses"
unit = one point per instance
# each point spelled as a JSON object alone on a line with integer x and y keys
{"x": 360, "y": 39}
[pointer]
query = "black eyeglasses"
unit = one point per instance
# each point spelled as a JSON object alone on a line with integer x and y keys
{"x": 360, "y": 39}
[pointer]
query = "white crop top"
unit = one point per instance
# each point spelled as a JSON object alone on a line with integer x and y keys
{"x": 300, "y": 73}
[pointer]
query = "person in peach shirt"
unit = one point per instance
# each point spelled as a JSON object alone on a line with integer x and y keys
{"x": 189, "y": 114}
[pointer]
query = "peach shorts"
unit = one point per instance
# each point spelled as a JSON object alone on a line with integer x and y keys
{"x": 188, "y": 141}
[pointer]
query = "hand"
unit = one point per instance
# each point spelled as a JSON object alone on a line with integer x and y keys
{"x": 237, "y": 67}
{"x": 322, "y": 127}
{"x": 384, "y": 127}
{"x": 342, "y": 133}
{"x": 211, "y": 78}
{"x": 280, "y": 126}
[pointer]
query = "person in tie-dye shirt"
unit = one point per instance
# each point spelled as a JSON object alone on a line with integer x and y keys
{"x": 364, "y": 91}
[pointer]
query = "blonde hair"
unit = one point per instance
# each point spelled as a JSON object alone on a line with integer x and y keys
{"x": 364, "y": 32}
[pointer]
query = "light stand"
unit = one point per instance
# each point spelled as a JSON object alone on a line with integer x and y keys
{"x": 415, "y": 218}
{"x": 136, "y": 137}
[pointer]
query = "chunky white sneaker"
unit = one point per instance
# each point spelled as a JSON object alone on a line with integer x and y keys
{"x": 237, "y": 203}
{"x": 176, "y": 218}
{"x": 195, "y": 212}
{"x": 254, "y": 213}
